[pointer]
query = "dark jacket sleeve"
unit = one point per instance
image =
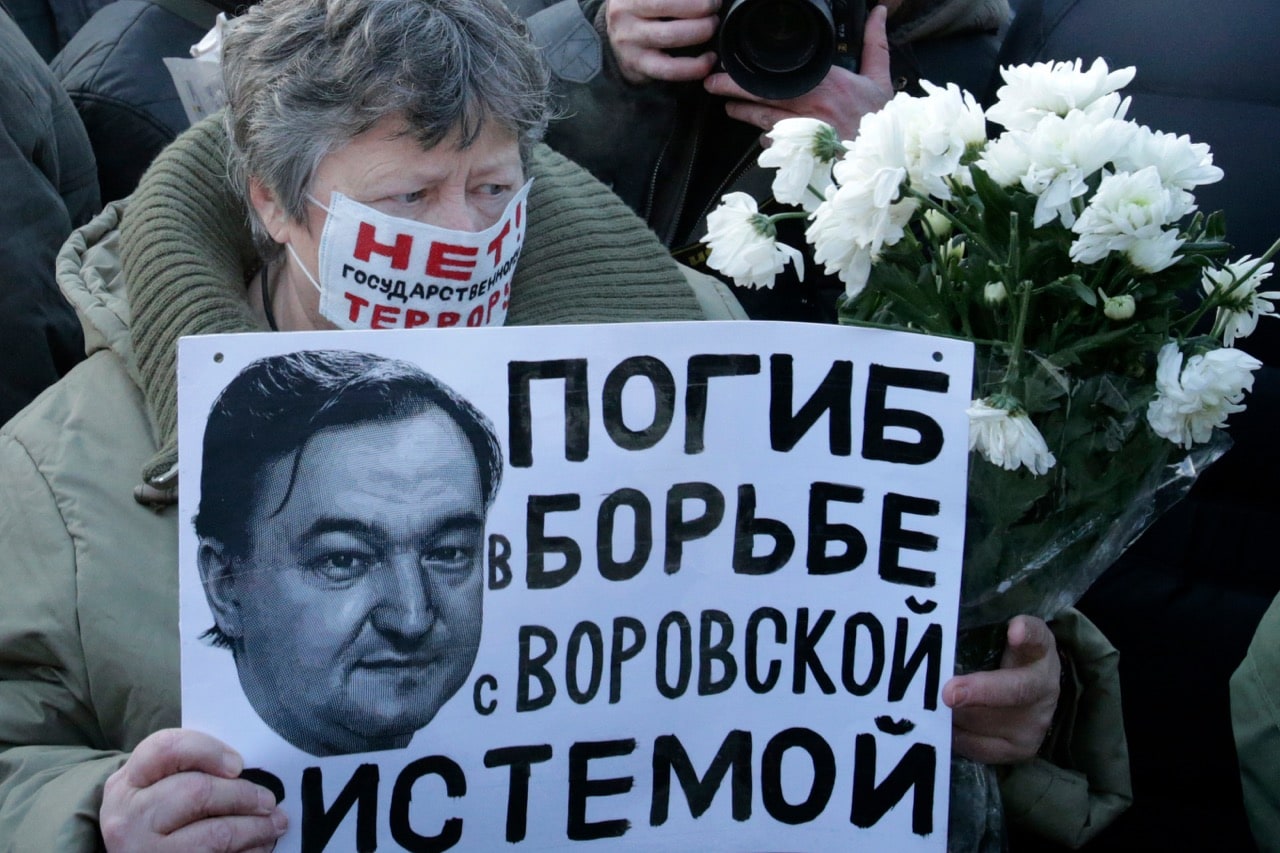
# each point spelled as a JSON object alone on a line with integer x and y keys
{"x": 50, "y": 187}
{"x": 1080, "y": 784}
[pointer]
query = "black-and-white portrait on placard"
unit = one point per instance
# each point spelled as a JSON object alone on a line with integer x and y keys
{"x": 341, "y": 528}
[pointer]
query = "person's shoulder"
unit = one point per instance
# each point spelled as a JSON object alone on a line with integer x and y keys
{"x": 1255, "y": 720}
{"x": 548, "y": 165}
{"x": 98, "y": 396}
{"x": 1264, "y": 655}
{"x": 192, "y": 166}
{"x": 27, "y": 87}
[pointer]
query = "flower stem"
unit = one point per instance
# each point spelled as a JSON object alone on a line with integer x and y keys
{"x": 788, "y": 214}
{"x": 1013, "y": 271}
{"x": 1217, "y": 299}
{"x": 956, "y": 222}
{"x": 1019, "y": 332}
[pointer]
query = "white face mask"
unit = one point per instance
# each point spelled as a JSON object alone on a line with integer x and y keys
{"x": 379, "y": 271}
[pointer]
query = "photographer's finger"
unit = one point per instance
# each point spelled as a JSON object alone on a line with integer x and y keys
{"x": 723, "y": 85}
{"x": 667, "y": 8}
{"x": 875, "y": 49}
{"x": 657, "y": 65}
{"x": 761, "y": 115}
{"x": 189, "y": 798}
{"x": 671, "y": 35}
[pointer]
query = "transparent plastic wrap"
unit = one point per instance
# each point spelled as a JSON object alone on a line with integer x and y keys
{"x": 1034, "y": 544}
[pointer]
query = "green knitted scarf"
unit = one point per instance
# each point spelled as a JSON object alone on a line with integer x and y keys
{"x": 187, "y": 255}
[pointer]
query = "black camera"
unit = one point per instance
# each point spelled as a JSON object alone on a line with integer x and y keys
{"x": 780, "y": 49}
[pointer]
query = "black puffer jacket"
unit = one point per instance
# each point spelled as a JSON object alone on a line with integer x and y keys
{"x": 1183, "y": 603}
{"x": 49, "y": 24}
{"x": 114, "y": 71}
{"x": 49, "y": 188}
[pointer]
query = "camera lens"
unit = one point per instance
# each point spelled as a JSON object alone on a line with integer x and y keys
{"x": 780, "y": 37}
{"x": 777, "y": 48}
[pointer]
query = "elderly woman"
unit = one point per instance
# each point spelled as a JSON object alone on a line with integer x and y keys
{"x": 416, "y": 118}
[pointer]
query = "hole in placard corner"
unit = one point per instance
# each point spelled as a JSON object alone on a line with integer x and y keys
{"x": 937, "y": 356}
{"x": 217, "y": 358}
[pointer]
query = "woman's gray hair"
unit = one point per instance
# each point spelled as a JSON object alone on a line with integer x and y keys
{"x": 305, "y": 77}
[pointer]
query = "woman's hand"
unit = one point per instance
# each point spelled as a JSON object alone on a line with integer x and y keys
{"x": 180, "y": 791}
{"x": 1002, "y": 717}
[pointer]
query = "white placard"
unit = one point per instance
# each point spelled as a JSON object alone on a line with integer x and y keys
{"x": 720, "y": 583}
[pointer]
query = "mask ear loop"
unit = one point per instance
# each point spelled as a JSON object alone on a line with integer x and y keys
{"x": 262, "y": 279}
{"x": 266, "y": 301}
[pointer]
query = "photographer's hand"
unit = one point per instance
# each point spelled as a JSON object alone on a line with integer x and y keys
{"x": 841, "y": 99}
{"x": 642, "y": 31}
{"x": 1002, "y": 717}
{"x": 179, "y": 791}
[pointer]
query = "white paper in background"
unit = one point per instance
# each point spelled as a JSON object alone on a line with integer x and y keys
{"x": 199, "y": 80}
{"x": 784, "y": 701}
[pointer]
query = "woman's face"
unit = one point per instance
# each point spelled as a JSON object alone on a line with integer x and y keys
{"x": 466, "y": 189}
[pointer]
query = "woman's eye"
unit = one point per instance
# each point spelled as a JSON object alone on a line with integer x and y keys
{"x": 409, "y": 197}
{"x": 494, "y": 189}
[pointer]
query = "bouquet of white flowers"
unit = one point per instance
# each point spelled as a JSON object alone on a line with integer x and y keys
{"x": 1069, "y": 249}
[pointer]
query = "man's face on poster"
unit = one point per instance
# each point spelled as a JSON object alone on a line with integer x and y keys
{"x": 356, "y": 613}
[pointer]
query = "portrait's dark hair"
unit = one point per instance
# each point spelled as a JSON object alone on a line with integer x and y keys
{"x": 273, "y": 408}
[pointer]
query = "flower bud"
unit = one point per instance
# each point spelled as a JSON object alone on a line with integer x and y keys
{"x": 1118, "y": 307}
{"x": 995, "y": 293}
{"x": 938, "y": 223}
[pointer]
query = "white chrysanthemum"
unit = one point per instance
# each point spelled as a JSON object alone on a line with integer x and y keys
{"x": 1244, "y": 304}
{"x": 1031, "y": 92}
{"x": 921, "y": 140}
{"x": 1006, "y": 159}
{"x": 1192, "y": 401}
{"x": 857, "y": 220}
{"x": 1055, "y": 158}
{"x": 802, "y": 151}
{"x": 938, "y": 130}
{"x": 1007, "y": 439}
{"x": 1129, "y": 214}
{"x": 881, "y": 142}
{"x": 744, "y": 245}
{"x": 1182, "y": 164}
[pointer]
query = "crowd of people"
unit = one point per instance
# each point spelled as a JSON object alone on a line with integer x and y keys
{"x": 126, "y": 229}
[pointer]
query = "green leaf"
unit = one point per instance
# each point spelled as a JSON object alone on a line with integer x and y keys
{"x": 1215, "y": 227}
{"x": 1087, "y": 296}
